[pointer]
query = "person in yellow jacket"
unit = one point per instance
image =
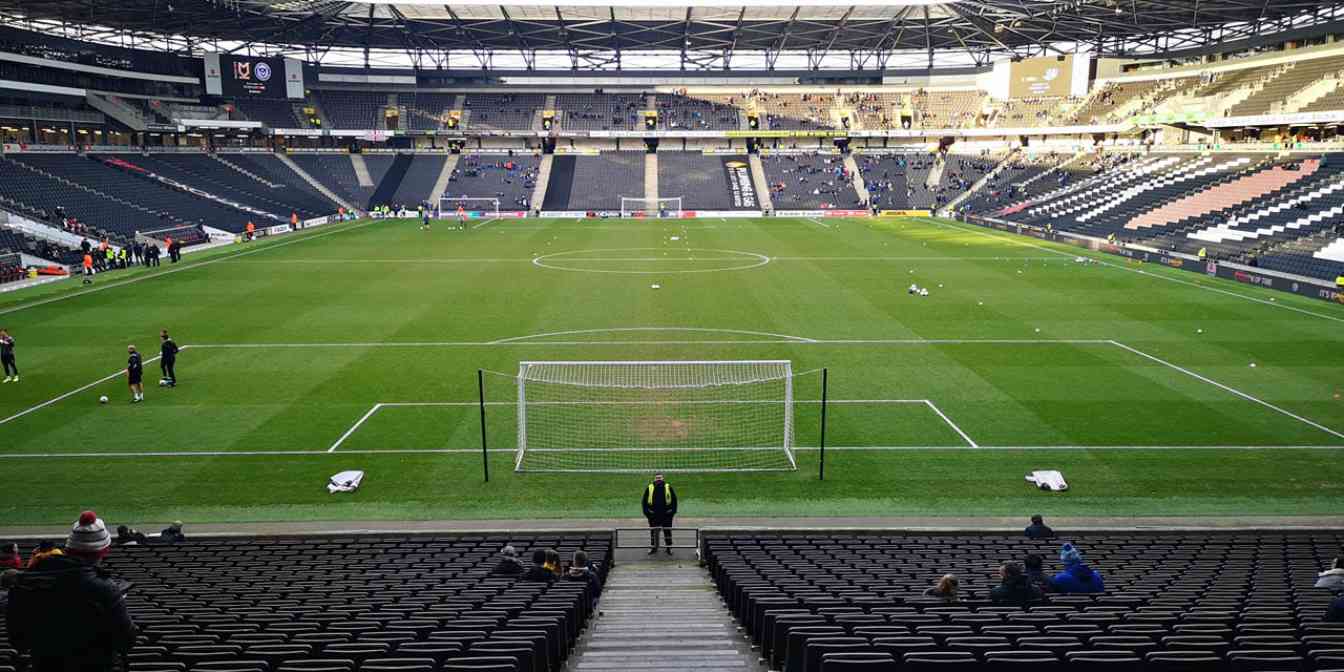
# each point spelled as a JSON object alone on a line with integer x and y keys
{"x": 1339, "y": 281}
{"x": 660, "y": 505}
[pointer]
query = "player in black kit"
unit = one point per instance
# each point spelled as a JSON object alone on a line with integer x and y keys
{"x": 167, "y": 359}
{"x": 7, "y": 357}
{"x": 135, "y": 371}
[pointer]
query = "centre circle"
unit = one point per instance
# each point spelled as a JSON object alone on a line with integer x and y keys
{"x": 651, "y": 260}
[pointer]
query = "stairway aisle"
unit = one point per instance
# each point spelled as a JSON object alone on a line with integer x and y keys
{"x": 663, "y": 616}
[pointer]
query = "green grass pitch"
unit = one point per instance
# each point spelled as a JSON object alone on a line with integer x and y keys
{"x": 1135, "y": 381}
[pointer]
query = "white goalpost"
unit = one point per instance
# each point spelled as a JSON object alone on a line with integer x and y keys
{"x": 632, "y": 416}
{"x": 651, "y": 207}
{"x": 474, "y": 206}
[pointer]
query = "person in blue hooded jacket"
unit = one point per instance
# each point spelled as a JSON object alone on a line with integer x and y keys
{"x": 1077, "y": 577}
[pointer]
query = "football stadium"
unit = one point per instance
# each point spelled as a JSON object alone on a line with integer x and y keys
{"x": 720, "y": 335}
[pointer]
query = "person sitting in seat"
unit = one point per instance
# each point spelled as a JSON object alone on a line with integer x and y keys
{"x": 172, "y": 534}
{"x": 538, "y": 571}
{"x": 129, "y": 535}
{"x": 583, "y": 570}
{"x": 509, "y": 564}
{"x": 1331, "y": 579}
{"x": 1077, "y": 577}
{"x": 1038, "y": 529}
{"x": 1034, "y": 566}
{"x": 1015, "y": 589}
{"x": 9, "y": 557}
{"x": 945, "y": 589}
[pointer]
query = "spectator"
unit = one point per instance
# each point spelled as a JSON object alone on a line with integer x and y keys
{"x": 509, "y": 564}
{"x": 1331, "y": 579}
{"x": 1038, "y": 529}
{"x": 582, "y": 570}
{"x": 660, "y": 505}
{"x": 65, "y": 612}
{"x": 538, "y": 571}
{"x": 1077, "y": 577}
{"x": 1035, "y": 569}
{"x": 172, "y": 534}
{"x": 553, "y": 562}
{"x": 44, "y": 550}
{"x": 1014, "y": 589}
{"x": 945, "y": 589}
{"x": 129, "y": 535}
{"x": 10, "y": 557}
{"x": 1335, "y": 612}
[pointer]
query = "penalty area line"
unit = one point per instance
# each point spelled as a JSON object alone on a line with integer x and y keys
{"x": 951, "y": 424}
{"x": 77, "y": 390}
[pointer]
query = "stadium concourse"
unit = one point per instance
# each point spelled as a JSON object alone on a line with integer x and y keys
{"x": 843, "y": 272}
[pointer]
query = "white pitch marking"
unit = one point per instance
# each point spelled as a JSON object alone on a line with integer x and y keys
{"x": 573, "y": 332}
{"x": 354, "y": 427}
{"x": 160, "y": 274}
{"x": 484, "y": 223}
{"x": 1226, "y": 388}
{"x": 951, "y": 424}
{"x": 1104, "y": 262}
{"x": 437, "y": 451}
{"x": 73, "y": 392}
{"x": 816, "y": 221}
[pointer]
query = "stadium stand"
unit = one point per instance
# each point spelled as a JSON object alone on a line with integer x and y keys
{"x": 418, "y": 183}
{"x": 809, "y": 181}
{"x": 885, "y": 177}
{"x": 1024, "y": 113}
{"x": 17, "y": 242}
{"x": 362, "y": 603}
{"x": 788, "y": 112}
{"x": 426, "y": 111}
{"x": 696, "y": 113}
{"x": 218, "y": 177}
{"x": 272, "y": 113}
{"x": 601, "y": 112}
{"x": 352, "y": 110}
{"x": 504, "y": 111}
{"x": 269, "y": 169}
{"x": 336, "y": 173}
{"x": 1007, "y": 184}
{"x": 1288, "y": 82}
{"x": 511, "y": 179}
{"x": 948, "y": 109}
{"x": 698, "y": 179}
{"x": 1231, "y": 601}
{"x": 594, "y": 182}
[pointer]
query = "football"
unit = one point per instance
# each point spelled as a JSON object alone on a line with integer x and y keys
{"x": 102, "y": 399}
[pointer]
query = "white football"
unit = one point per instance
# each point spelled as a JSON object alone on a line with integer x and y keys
{"x": 102, "y": 399}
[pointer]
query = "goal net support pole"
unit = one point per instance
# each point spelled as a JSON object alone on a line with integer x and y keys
{"x": 633, "y": 416}
{"x": 651, "y": 207}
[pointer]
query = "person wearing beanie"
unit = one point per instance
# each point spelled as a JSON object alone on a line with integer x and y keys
{"x": 509, "y": 564}
{"x": 172, "y": 534}
{"x": 65, "y": 612}
{"x": 1077, "y": 577}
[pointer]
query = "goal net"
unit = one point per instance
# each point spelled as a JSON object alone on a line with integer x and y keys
{"x": 655, "y": 416}
{"x": 473, "y": 206}
{"x": 650, "y": 207}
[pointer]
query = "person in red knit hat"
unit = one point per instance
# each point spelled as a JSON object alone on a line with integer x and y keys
{"x": 66, "y": 612}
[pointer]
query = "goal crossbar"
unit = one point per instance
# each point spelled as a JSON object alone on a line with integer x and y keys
{"x": 665, "y": 415}
{"x": 655, "y": 207}
{"x": 488, "y": 206}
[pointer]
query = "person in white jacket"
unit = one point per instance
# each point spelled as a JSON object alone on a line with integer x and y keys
{"x": 1332, "y": 579}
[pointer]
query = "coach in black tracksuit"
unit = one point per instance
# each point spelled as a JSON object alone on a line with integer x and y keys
{"x": 168, "y": 358}
{"x": 660, "y": 505}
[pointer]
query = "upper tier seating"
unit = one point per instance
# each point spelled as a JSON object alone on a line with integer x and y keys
{"x": 352, "y": 110}
{"x": 948, "y": 109}
{"x": 809, "y": 182}
{"x": 699, "y": 180}
{"x": 511, "y": 179}
{"x": 1280, "y": 88}
{"x": 504, "y": 111}
{"x": 350, "y": 604}
{"x": 696, "y": 113}
{"x": 1233, "y": 601}
{"x": 272, "y": 113}
{"x": 1025, "y": 113}
{"x": 606, "y": 112}
{"x": 426, "y": 111}
{"x": 789, "y": 112}
{"x": 1098, "y": 108}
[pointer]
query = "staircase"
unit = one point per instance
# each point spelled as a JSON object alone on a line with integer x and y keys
{"x": 543, "y": 181}
{"x": 651, "y": 181}
{"x": 244, "y": 171}
{"x": 362, "y": 175}
{"x": 856, "y": 178}
{"x": 441, "y": 185}
{"x": 321, "y": 188}
{"x": 112, "y": 107}
{"x": 762, "y": 183}
{"x": 980, "y": 183}
{"x": 662, "y": 616}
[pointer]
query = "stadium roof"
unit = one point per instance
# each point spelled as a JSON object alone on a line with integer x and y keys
{"x": 698, "y": 34}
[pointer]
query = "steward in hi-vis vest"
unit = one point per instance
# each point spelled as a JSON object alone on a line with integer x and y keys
{"x": 660, "y": 505}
